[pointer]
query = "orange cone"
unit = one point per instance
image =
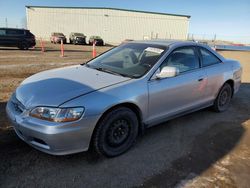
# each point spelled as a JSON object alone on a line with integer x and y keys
{"x": 62, "y": 49}
{"x": 94, "y": 50}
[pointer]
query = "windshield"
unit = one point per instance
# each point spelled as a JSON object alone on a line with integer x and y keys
{"x": 95, "y": 37}
{"x": 79, "y": 34}
{"x": 130, "y": 60}
{"x": 58, "y": 34}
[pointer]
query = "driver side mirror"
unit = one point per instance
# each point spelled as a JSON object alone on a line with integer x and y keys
{"x": 167, "y": 72}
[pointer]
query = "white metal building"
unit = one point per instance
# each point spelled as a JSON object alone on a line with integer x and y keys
{"x": 113, "y": 25}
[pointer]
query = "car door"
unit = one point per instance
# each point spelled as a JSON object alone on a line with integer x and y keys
{"x": 214, "y": 69}
{"x": 170, "y": 96}
{"x": 15, "y": 36}
{"x": 3, "y": 37}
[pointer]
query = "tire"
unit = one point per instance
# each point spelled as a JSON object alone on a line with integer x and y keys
{"x": 116, "y": 132}
{"x": 23, "y": 46}
{"x": 222, "y": 102}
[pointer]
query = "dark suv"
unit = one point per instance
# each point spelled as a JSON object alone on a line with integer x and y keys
{"x": 97, "y": 39}
{"x": 77, "y": 38}
{"x": 21, "y": 38}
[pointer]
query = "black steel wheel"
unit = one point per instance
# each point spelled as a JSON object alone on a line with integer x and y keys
{"x": 223, "y": 99}
{"x": 116, "y": 132}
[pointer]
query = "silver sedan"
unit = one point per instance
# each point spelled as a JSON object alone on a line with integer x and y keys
{"x": 107, "y": 102}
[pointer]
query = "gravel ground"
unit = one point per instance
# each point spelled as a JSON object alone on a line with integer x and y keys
{"x": 202, "y": 149}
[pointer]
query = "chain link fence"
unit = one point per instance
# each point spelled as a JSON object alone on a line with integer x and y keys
{"x": 219, "y": 39}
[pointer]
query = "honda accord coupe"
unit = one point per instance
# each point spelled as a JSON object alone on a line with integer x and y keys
{"x": 105, "y": 103}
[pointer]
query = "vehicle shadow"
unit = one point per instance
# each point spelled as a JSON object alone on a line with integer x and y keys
{"x": 65, "y": 50}
{"x": 10, "y": 48}
{"x": 163, "y": 157}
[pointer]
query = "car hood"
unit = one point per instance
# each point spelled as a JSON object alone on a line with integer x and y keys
{"x": 54, "y": 87}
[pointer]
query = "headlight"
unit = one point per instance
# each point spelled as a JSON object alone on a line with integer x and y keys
{"x": 57, "y": 114}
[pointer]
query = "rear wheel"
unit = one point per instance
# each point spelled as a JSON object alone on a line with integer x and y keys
{"x": 223, "y": 99}
{"x": 116, "y": 132}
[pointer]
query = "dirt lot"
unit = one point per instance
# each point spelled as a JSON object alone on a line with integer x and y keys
{"x": 202, "y": 149}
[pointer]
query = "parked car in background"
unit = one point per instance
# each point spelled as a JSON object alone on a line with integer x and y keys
{"x": 13, "y": 37}
{"x": 105, "y": 103}
{"x": 57, "y": 37}
{"x": 98, "y": 40}
{"x": 77, "y": 38}
{"x": 126, "y": 41}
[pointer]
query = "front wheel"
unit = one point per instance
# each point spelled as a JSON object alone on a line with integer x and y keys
{"x": 223, "y": 99}
{"x": 23, "y": 46}
{"x": 116, "y": 132}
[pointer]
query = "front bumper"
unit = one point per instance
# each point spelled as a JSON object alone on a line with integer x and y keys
{"x": 50, "y": 137}
{"x": 32, "y": 43}
{"x": 58, "y": 40}
{"x": 80, "y": 41}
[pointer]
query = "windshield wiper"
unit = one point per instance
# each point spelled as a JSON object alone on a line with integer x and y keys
{"x": 110, "y": 71}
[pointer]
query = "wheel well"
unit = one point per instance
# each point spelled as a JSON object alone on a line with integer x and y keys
{"x": 231, "y": 83}
{"x": 132, "y": 107}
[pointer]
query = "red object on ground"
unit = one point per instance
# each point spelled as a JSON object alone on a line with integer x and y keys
{"x": 94, "y": 50}
{"x": 62, "y": 49}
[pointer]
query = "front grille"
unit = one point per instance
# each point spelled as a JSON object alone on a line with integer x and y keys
{"x": 79, "y": 39}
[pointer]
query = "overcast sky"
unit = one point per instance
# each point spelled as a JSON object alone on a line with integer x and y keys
{"x": 229, "y": 19}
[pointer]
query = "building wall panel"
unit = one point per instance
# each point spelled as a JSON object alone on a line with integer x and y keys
{"x": 112, "y": 25}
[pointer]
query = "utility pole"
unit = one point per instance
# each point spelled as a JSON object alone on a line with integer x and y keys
{"x": 6, "y": 22}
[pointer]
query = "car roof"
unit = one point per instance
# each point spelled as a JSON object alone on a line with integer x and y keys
{"x": 73, "y": 33}
{"x": 56, "y": 33}
{"x": 13, "y": 28}
{"x": 166, "y": 43}
{"x": 178, "y": 43}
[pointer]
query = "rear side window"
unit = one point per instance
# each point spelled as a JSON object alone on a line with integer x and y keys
{"x": 185, "y": 59}
{"x": 208, "y": 58}
{"x": 15, "y": 32}
{"x": 2, "y": 32}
